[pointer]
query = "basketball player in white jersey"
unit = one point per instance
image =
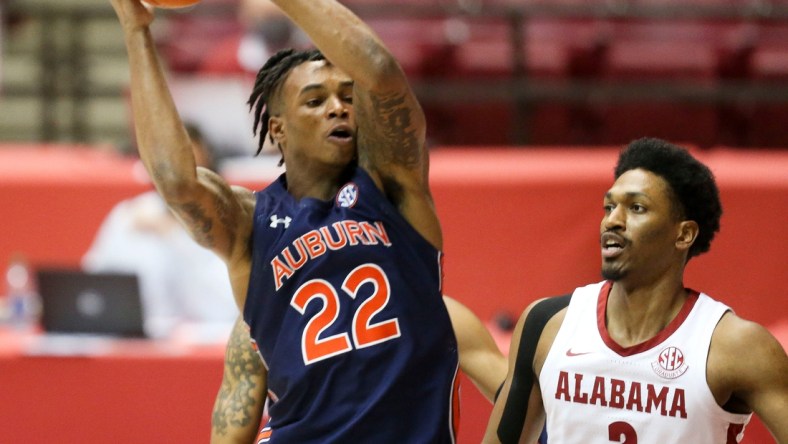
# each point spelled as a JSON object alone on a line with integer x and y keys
{"x": 640, "y": 358}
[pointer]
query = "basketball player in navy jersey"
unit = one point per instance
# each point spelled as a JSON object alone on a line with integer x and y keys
{"x": 336, "y": 266}
{"x": 640, "y": 358}
{"x": 239, "y": 403}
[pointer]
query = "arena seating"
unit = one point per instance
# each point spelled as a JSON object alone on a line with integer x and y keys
{"x": 618, "y": 75}
{"x": 186, "y": 37}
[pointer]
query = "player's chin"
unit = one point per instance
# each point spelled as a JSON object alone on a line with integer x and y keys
{"x": 612, "y": 272}
{"x": 345, "y": 153}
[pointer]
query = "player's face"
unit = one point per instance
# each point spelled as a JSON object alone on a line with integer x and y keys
{"x": 639, "y": 229}
{"x": 318, "y": 120}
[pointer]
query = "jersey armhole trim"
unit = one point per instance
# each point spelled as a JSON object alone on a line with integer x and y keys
{"x": 513, "y": 416}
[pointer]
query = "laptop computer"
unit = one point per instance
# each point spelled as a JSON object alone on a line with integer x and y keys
{"x": 74, "y": 301}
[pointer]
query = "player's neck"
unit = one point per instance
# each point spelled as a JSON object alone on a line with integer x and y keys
{"x": 638, "y": 313}
{"x": 322, "y": 185}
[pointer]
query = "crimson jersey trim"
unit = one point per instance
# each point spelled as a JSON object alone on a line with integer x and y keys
{"x": 671, "y": 328}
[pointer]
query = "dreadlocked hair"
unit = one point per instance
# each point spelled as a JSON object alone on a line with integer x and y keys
{"x": 268, "y": 82}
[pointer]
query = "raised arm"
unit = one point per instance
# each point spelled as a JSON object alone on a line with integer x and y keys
{"x": 239, "y": 403}
{"x": 391, "y": 124}
{"x": 217, "y": 216}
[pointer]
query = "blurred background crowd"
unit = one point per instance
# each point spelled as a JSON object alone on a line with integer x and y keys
{"x": 488, "y": 72}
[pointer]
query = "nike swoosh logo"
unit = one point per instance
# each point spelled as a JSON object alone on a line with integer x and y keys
{"x": 570, "y": 353}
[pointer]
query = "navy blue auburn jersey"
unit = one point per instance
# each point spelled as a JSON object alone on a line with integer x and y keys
{"x": 345, "y": 308}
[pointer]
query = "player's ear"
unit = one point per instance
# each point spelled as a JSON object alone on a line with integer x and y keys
{"x": 686, "y": 235}
{"x": 276, "y": 130}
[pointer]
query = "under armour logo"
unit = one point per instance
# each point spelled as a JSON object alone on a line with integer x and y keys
{"x": 275, "y": 221}
{"x": 348, "y": 195}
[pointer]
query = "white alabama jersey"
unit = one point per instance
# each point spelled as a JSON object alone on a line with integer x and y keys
{"x": 596, "y": 391}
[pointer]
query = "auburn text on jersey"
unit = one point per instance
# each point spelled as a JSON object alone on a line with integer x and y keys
{"x": 315, "y": 243}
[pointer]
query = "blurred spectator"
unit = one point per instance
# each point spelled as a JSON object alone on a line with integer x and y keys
{"x": 214, "y": 71}
{"x": 266, "y": 30}
{"x": 183, "y": 285}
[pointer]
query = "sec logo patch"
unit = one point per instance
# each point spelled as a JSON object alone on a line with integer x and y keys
{"x": 670, "y": 363}
{"x": 347, "y": 195}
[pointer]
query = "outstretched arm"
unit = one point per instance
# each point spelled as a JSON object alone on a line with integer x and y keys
{"x": 216, "y": 215}
{"x": 239, "y": 403}
{"x": 480, "y": 357}
{"x": 391, "y": 123}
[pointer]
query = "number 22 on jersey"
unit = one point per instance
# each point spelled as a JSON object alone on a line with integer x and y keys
{"x": 314, "y": 346}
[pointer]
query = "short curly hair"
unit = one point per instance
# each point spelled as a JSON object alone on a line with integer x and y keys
{"x": 692, "y": 183}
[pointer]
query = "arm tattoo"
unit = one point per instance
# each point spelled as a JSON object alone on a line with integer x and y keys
{"x": 225, "y": 219}
{"x": 236, "y": 403}
{"x": 398, "y": 140}
{"x": 201, "y": 223}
